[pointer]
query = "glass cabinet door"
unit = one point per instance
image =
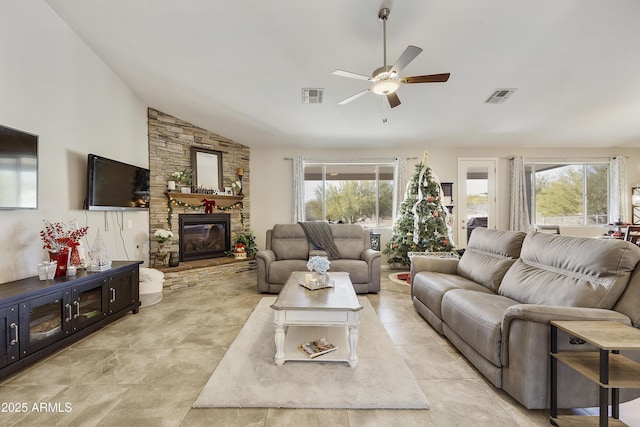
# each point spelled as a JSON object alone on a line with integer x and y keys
{"x": 89, "y": 304}
{"x": 43, "y": 320}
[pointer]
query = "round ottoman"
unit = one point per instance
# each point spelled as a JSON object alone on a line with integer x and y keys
{"x": 150, "y": 286}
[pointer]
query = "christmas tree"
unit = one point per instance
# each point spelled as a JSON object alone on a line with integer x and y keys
{"x": 421, "y": 225}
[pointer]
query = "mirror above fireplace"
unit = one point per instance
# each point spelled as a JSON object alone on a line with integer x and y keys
{"x": 207, "y": 168}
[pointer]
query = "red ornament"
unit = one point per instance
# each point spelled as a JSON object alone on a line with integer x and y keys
{"x": 430, "y": 198}
{"x": 445, "y": 242}
{"x": 435, "y": 213}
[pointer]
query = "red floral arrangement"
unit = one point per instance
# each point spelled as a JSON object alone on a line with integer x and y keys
{"x": 58, "y": 235}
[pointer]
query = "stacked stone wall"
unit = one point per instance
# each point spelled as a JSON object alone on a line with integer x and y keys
{"x": 170, "y": 142}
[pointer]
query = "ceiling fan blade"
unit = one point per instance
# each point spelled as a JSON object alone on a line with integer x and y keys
{"x": 407, "y": 56}
{"x": 351, "y": 98}
{"x": 393, "y": 99}
{"x": 349, "y": 74}
{"x": 430, "y": 78}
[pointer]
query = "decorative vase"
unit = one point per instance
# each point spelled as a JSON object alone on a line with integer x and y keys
{"x": 162, "y": 253}
{"x": 74, "y": 257}
{"x": 174, "y": 260}
{"x": 323, "y": 278}
{"x": 62, "y": 258}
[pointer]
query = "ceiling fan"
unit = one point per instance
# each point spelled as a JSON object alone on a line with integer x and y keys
{"x": 386, "y": 79}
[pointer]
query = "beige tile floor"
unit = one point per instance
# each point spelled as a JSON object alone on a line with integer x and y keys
{"x": 147, "y": 370}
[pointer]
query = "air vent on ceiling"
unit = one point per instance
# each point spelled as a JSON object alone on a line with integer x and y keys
{"x": 499, "y": 96}
{"x": 312, "y": 96}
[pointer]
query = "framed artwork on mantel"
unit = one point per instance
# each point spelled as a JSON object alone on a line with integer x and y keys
{"x": 207, "y": 168}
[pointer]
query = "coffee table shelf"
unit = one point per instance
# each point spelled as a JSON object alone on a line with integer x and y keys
{"x": 297, "y": 335}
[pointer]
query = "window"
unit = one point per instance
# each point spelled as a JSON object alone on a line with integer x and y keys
{"x": 568, "y": 194}
{"x": 355, "y": 193}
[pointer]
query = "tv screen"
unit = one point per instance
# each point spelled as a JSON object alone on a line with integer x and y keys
{"x": 114, "y": 185}
{"x": 18, "y": 169}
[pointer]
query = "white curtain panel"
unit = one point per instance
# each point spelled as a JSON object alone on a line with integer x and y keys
{"x": 400, "y": 183}
{"x": 297, "y": 213}
{"x": 518, "y": 211}
{"x": 618, "y": 190}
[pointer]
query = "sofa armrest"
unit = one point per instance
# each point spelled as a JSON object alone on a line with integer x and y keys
{"x": 264, "y": 258}
{"x": 267, "y": 255}
{"x": 369, "y": 255}
{"x": 546, "y": 313}
{"x": 437, "y": 265}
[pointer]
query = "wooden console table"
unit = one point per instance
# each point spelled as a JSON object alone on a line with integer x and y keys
{"x": 39, "y": 317}
{"x": 606, "y": 367}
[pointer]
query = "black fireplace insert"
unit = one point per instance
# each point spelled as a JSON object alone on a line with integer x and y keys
{"x": 204, "y": 236}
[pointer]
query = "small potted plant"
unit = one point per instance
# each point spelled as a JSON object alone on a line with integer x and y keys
{"x": 248, "y": 242}
{"x": 184, "y": 178}
{"x": 162, "y": 236}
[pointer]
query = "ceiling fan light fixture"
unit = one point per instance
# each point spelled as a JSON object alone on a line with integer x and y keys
{"x": 385, "y": 87}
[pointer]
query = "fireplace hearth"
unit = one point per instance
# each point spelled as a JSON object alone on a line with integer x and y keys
{"x": 204, "y": 236}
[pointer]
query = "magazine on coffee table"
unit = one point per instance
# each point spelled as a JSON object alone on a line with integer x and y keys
{"x": 317, "y": 348}
{"x": 313, "y": 286}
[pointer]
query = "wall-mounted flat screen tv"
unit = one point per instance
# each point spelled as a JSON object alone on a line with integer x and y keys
{"x": 18, "y": 169}
{"x": 115, "y": 186}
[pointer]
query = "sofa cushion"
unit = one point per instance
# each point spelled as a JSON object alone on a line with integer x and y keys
{"x": 288, "y": 241}
{"x": 476, "y": 317}
{"x": 429, "y": 287}
{"x": 349, "y": 239}
{"x": 358, "y": 270}
{"x": 489, "y": 255}
{"x": 279, "y": 271}
{"x": 570, "y": 271}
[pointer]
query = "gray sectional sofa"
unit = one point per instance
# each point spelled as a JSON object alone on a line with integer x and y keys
{"x": 494, "y": 305}
{"x": 288, "y": 250}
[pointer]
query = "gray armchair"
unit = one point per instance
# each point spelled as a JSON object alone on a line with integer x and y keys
{"x": 288, "y": 250}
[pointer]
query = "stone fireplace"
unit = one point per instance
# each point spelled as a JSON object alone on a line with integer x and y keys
{"x": 170, "y": 143}
{"x": 204, "y": 236}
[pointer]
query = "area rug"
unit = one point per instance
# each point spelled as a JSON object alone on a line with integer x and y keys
{"x": 247, "y": 375}
{"x": 401, "y": 278}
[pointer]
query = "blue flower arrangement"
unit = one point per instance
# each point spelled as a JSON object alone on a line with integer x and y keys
{"x": 318, "y": 263}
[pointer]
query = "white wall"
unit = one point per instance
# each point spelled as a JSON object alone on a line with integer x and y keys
{"x": 53, "y": 85}
{"x": 271, "y": 176}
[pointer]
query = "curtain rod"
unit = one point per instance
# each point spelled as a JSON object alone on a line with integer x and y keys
{"x": 351, "y": 159}
{"x": 566, "y": 158}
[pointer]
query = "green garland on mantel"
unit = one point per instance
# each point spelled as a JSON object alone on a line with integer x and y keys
{"x": 171, "y": 202}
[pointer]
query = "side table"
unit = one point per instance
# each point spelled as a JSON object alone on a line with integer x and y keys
{"x": 606, "y": 367}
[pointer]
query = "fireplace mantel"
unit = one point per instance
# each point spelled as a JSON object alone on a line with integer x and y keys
{"x": 195, "y": 199}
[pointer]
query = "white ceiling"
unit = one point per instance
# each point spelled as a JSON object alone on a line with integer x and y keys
{"x": 237, "y": 68}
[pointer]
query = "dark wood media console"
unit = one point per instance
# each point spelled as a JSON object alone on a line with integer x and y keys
{"x": 39, "y": 317}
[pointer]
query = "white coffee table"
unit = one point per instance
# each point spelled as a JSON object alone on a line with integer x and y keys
{"x": 302, "y": 315}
